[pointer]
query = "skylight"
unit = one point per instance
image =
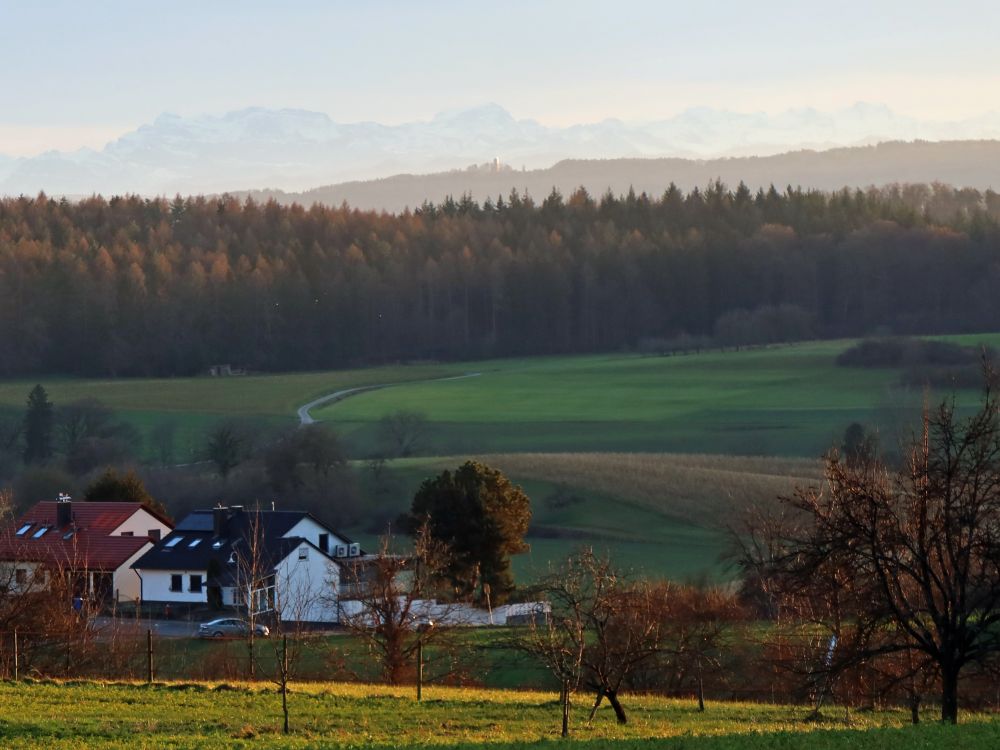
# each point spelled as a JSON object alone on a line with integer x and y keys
{"x": 24, "y": 529}
{"x": 195, "y": 542}
{"x": 68, "y": 535}
{"x": 40, "y": 533}
{"x": 217, "y": 544}
{"x": 174, "y": 542}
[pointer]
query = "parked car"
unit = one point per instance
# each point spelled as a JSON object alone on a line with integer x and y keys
{"x": 229, "y": 627}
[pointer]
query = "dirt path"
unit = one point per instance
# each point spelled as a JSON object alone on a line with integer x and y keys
{"x": 331, "y": 398}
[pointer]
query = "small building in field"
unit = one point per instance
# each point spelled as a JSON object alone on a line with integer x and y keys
{"x": 269, "y": 563}
{"x": 92, "y": 545}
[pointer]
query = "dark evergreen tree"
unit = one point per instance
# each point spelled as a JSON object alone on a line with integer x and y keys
{"x": 482, "y": 517}
{"x": 112, "y": 487}
{"x": 38, "y": 424}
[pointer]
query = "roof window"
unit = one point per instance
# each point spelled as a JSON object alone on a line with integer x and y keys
{"x": 217, "y": 544}
{"x": 40, "y": 533}
{"x": 24, "y": 529}
{"x": 195, "y": 542}
{"x": 69, "y": 535}
{"x": 174, "y": 542}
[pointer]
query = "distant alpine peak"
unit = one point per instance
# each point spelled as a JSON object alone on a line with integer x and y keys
{"x": 296, "y": 149}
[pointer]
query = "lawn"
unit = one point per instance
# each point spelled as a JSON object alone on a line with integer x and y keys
{"x": 206, "y": 715}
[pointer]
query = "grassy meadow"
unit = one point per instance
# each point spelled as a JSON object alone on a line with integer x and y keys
{"x": 205, "y": 715}
{"x": 785, "y": 401}
{"x": 660, "y": 514}
{"x": 644, "y": 457}
{"x": 777, "y": 401}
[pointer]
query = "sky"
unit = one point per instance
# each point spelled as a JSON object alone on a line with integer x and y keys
{"x": 79, "y": 74}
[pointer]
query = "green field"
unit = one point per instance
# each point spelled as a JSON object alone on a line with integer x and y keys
{"x": 201, "y": 715}
{"x": 659, "y": 514}
{"x": 785, "y": 401}
{"x": 608, "y": 447}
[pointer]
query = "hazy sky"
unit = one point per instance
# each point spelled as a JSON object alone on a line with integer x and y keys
{"x": 77, "y": 73}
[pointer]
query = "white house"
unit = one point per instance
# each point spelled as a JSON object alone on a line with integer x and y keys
{"x": 94, "y": 542}
{"x": 276, "y": 563}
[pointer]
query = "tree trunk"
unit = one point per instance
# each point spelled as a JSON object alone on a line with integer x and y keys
{"x": 701, "y": 688}
{"x": 949, "y": 694}
{"x": 565, "y": 709}
{"x": 597, "y": 703}
{"x": 284, "y": 680}
{"x": 619, "y": 711}
{"x": 914, "y": 708}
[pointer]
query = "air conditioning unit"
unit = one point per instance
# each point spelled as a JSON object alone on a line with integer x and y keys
{"x": 341, "y": 551}
{"x": 355, "y": 550}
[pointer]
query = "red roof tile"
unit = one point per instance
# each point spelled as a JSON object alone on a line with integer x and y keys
{"x": 90, "y": 546}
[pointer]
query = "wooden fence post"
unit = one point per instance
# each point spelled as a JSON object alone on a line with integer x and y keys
{"x": 149, "y": 656}
{"x": 420, "y": 669}
{"x": 15, "y": 655}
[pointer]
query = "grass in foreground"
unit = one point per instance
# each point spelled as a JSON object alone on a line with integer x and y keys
{"x": 203, "y": 715}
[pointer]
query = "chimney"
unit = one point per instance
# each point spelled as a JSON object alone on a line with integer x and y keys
{"x": 64, "y": 511}
{"x": 218, "y": 519}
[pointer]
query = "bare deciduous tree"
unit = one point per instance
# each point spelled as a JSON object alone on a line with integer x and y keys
{"x": 403, "y": 433}
{"x": 601, "y": 628}
{"x": 900, "y": 561}
{"x": 384, "y": 603}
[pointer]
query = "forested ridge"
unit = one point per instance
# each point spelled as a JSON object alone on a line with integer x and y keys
{"x": 132, "y": 286}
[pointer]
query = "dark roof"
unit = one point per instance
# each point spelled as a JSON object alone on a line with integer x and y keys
{"x": 236, "y": 530}
{"x": 85, "y": 543}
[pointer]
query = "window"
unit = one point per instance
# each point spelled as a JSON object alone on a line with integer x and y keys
{"x": 195, "y": 584}
{"x": 217, "y": 544}
{"x": 174, "y": 542}
{"x": 68, "y": 535}
{"x": 303, "y": 553}
{"x": 40, "y": 533}
{"x": 24, "y": 529}
{"x": 21, "y": 576}
{"x": 195, "y": 542}
{"x": 127, "y": 533}
{"x": 176, "y": 582}
{"x": 324, "y": 542}
{"x": 154, "y": 534}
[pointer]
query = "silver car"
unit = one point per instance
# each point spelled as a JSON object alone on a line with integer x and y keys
{"x": 230, "y": 627}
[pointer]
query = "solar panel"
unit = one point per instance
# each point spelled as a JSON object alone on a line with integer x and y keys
{"x": 196, "y": 522}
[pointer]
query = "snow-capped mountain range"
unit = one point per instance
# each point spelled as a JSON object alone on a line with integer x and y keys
{"x": 295, "y": 149}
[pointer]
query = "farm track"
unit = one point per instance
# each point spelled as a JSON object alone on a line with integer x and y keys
{"x": 331, "y": 398}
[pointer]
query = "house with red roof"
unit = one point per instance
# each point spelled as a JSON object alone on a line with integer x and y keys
{"x": 94, "y": 542}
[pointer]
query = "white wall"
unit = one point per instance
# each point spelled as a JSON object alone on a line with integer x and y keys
{"x": 156, "y": 586}
{"x": 126, "y": 584}
{"x": 307, "y": 589}
{"x": 140, "y": 523}
{"x": 36, "y": 577}
{"x": 307, "y": 528}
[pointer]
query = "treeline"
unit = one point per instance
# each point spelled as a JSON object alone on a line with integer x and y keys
{"x": 130, "y": 286}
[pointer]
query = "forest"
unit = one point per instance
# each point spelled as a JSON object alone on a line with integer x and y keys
{"x": 129, "y": 286}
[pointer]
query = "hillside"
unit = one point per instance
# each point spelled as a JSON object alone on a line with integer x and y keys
{"x": 972, "y": 164}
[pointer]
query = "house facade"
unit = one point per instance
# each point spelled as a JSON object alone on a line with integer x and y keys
{"x": 94, "y": 544}
{"x": 283, "y": 564}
